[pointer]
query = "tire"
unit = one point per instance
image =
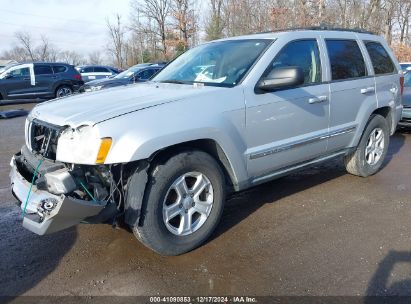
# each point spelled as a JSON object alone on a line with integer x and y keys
{"x": 360, "y": 162}
{"x": 63, "y": 91}
{"x": 166, "y": 237}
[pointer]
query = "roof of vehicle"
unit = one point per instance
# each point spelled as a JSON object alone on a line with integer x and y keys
{"x": 95, "y": 66}
{"x": 316, "y": 29}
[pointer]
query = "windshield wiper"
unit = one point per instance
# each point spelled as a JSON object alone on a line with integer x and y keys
{"x": 173, "y": 81}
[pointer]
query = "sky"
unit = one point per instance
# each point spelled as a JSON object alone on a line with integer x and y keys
{"x": 78, "y": 25}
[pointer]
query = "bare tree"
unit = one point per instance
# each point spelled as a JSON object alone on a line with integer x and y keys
{"x": 72, "y": 57}
{"x": 185, "y": 17}
{"x": 95, "y": 57}
{"x": 116, "y": 32}
{"x": 43, "y": 50}
{"x": 26, "y": 42}
{"x": 215, "y": 24}
{"x": 158, "y": 11}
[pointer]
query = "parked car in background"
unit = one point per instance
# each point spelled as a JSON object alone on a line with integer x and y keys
{"x": 405, "y": 66}
{"x": 39, "y": 81}
{"x": 406, "y": 101}
{"x": 4, "y": 63}
{"x": 93, "y": 72}
{"x": 137, "y": 73}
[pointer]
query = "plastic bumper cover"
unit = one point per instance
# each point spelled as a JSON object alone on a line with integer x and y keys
{"x": 64, "y": 212}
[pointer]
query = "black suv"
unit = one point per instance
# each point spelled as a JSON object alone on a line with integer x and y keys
{"x": 39, "y": 81}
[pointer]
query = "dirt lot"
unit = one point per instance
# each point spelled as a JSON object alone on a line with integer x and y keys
{"x": 318, "y": 232}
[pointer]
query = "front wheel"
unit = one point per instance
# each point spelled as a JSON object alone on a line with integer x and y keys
{"x": 367, "y": 159}
{"x": 183, "y": 203}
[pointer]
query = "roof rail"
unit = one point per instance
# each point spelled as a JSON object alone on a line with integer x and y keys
{"x": 320, "y": 28}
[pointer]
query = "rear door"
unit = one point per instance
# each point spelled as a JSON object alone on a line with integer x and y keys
{"x": 45, "y": 79}
{"x": 386, "y": 75}
{"x": 352, "y": 87}
{"x": 102, "y": 72}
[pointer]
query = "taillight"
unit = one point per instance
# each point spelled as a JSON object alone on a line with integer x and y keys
{"x": 77, "y": 76}
{"x": 402, "y": 84}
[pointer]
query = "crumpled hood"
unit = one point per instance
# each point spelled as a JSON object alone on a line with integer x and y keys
{"x": 95, "y": 107}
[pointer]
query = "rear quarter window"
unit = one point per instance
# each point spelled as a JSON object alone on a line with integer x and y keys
{"x": 59, "y": 69}
{"x": 346, "y": 59}
{"x": 380, "y": 58}
{"x": 101, "y": 70}
{"x": 87, "y": 70}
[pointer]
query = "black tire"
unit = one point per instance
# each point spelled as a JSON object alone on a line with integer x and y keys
{"x": 356, "y": 162}
{"x": 63, "y": 90}
{"x": 152, "y": 230}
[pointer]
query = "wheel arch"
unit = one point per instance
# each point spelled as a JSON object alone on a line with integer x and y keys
{"x": 387, "y": 113}
{"x": 206, "y": 145}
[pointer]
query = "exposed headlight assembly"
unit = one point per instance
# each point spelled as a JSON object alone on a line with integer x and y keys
{"x": 82, "y": 145}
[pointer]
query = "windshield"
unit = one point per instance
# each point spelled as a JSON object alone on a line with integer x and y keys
{"x": 405, "y": 66}
{"x": 221, "y": 63}
{"x": 128, "y": 73}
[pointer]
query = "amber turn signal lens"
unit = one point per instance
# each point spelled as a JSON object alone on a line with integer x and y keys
{"x": 104, "y": 148}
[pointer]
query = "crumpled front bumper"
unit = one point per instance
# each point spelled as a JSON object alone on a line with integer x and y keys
{"x": 65, "y": 211}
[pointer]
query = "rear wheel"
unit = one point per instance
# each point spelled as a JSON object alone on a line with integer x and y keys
{"x": 183, "y": 203}
{"x": 63, "y": 91}
{"x": 367, "y": 159}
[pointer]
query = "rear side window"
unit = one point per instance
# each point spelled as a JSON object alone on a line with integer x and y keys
{"x": 380, "y": 59}
{"x": 303, "y": 54}
{"x": 87, "y": 70}
{"x": 147, "y": 74}
{"x": 101, "y": 70}
{"x": 59, "y": 69}
{"x": 346, "y": 59}
{"x": 42, "y": 70}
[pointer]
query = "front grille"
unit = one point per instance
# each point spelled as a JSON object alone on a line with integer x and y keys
{"x": 43, "y": 138}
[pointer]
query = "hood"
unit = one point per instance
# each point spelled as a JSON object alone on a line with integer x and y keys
{"x": 107, "y": 81}
{"x": 95, "y": 107}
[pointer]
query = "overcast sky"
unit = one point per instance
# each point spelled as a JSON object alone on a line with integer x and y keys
{"x": 77, "y": 25}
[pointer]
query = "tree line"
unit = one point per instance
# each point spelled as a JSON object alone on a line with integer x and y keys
{"x": 158, "y": 30}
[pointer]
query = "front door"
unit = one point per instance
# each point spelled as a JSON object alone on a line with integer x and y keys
{"x": 288, "y": 126}
{"x": 18, "y": 82}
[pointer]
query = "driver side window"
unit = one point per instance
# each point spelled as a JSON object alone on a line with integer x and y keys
{"x": 303, "y": 54}
{"x": 22, "y": 72}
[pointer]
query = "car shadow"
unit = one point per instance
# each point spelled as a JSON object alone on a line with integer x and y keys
{"x": 380, "y": 285}
{"x": 396, "y": 143}
{"x": 26, "y": 258}
{"x": 240, "y": 205}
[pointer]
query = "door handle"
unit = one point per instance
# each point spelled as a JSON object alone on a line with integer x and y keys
{"x": 368, "y": 90}
{"x": 317, "y": 99}
{"x": 394, "y": 90}
{"x": 26, "y": 78}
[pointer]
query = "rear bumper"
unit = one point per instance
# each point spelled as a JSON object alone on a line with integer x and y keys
{"x": 62, "y": 212}
{"x": 405, "y": 118}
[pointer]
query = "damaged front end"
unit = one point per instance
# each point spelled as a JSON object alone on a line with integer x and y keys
{"x": 56, "y": 195}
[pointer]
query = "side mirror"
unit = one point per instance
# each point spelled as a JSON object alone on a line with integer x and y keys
{"x": 280, "y": 78}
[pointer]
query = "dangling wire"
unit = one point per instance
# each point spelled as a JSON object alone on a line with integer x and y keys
{"x": 31, "y": 186}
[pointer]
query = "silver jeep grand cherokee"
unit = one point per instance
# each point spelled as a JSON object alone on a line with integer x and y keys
{"x": 223, "y": 117}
